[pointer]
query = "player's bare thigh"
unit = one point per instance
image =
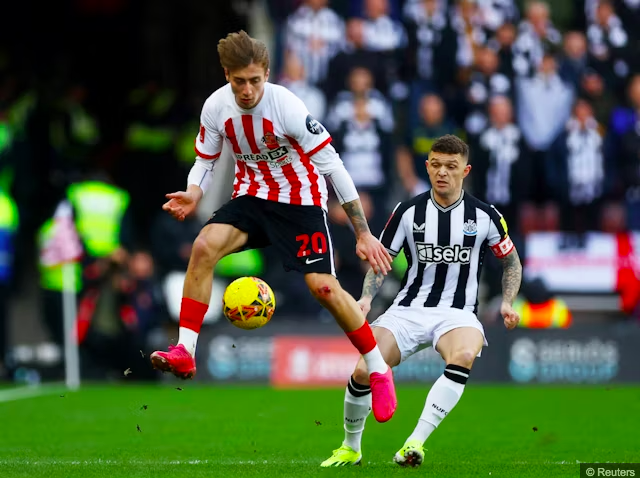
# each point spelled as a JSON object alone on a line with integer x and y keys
{"x": 216, "y": 241}
{"x": 389, "y": 349}
{"x": 460, "y": 346}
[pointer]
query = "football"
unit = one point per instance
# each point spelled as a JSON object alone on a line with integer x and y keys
{"x": 249, "y": 303}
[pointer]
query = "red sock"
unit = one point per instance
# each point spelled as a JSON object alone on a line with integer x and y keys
{"x": 362, "y": 338}
{"x": 192, "y": 314}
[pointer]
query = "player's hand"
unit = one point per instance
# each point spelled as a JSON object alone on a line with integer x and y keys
{"x": 180, "y": 205}
{"x": 510, "y": 317}
{"x": 368, "y": 248}
{"x": 365, "y": 303}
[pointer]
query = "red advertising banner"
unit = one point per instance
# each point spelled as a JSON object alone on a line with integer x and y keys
{"x": 312, "y": 361}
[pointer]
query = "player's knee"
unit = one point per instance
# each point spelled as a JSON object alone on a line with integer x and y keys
{"x": 463, "y": 357}
{"x": 323, "y": 287}
{"x": 205, "y": 251}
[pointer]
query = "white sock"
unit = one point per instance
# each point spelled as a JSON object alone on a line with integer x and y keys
{"x": 358, "y": 405}
{"x": 188, "y": 338}
{"x": 375, "y": 361}
{"x": 442, "y": 398}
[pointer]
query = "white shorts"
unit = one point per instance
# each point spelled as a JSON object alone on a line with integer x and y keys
{"x": 416, "y": 328}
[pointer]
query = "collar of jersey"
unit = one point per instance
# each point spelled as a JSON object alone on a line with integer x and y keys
{"x": 448, "y": 208}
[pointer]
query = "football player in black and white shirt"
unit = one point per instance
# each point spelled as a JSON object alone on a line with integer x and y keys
{"x": 444, "y": 234}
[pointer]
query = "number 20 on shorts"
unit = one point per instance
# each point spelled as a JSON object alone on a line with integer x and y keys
{"x": 317, "y": 241}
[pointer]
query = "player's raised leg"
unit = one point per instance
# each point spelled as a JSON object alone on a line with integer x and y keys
{"x": 458, "y": 347}
{"x": 358, "y": 402}
{"x": 326, "y": 289}
{"x": 214, "y": 242}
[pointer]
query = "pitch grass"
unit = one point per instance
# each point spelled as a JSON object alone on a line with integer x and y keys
{"x": 259, "y": 432}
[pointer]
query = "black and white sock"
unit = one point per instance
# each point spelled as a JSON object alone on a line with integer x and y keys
{"x": 442, "y": 398}
{"x": 358, "y": 405}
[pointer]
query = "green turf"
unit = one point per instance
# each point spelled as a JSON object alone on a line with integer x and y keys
{"x": 259, "y": 432}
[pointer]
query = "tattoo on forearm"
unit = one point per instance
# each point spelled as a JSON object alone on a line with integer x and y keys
{"x": 354, "y": 211}
{"x": 512, "y": 272}
{"x": 372, "y": 283}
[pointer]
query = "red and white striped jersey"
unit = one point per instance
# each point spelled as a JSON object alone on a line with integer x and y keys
{"x": 281, "y": 151}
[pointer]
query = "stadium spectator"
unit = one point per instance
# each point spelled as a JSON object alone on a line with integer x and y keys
{"x": 603, "y": 101}
{"x": 575, "y": 170}
{"x": 293, "y": 78}
{"x": 544, "y": 103}
{"x": 354, "y": 55}
{"x": 361, "y": 86}
{"x": 541, "y": 309}
{"x": 466, "y": 20}
{"x": 485, "y": 82}
{"x": 495, "y": 13}
{"x": 430, "y": 43}
{"x": 315, "y": 33}
{"x": 609, "y": 44}
{"x": 536, "y": 36}
{"x": 411, "y": 154}
{"x": 380, "y": 31}
{"x": 503, "y": 44}
{"x": 574, "y": 61}
{"x": 501, "y": 163}
{"x": 363, "y": 142}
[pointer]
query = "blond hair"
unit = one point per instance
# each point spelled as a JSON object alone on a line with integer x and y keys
{"x": 239, "y": 50}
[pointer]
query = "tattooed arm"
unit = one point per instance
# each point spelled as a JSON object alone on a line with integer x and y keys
{"x": 371, "y": 286}
{"x": 512, "y": 272}
{"x": 511, "y": 282}
{"x": 354, "y": 211}
{"x": 368, "y": 248}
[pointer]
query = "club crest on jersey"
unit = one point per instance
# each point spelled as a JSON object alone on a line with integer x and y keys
{"x": 313, "y": 126}
{"x": 202, "y": 134}
{"x": 270, "y": 140}
{"x": 469, "y": 228}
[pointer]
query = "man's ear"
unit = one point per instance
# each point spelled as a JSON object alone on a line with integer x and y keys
{"x": 226, "y": 74}
{"x": 466, "y": 171}
{"x": 267, "y": 75}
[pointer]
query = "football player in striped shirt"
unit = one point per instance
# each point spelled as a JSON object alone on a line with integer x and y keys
{"x": 283, "y": 156}
{"x": 444, "y": 234}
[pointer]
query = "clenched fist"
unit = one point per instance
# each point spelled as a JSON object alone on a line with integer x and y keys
{"x": 510, "y": 317}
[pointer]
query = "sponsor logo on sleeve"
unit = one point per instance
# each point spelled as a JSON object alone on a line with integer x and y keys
{"x": 313, "y": 126}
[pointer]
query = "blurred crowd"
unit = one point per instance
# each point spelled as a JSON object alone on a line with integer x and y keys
{"x": 546, "y": 94}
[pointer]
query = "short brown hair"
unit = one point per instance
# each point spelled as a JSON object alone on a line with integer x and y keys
{"x": 450, "y": 144}
{"x": 239, "y": 50}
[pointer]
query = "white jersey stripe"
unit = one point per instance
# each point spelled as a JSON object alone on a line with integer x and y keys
{"x": 330, "y": 244}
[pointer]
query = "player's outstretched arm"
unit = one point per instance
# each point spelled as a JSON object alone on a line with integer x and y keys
{"x": 511, "y": 282}
{"x": 371, "y": 286}
{"x": 183, "y": 203}
{"x": 368, "y": 248}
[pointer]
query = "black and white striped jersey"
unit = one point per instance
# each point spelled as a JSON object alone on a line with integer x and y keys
{"x": 444, "y": 247}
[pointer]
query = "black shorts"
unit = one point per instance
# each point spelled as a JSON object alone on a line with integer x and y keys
{"x": 300, "y": 234}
